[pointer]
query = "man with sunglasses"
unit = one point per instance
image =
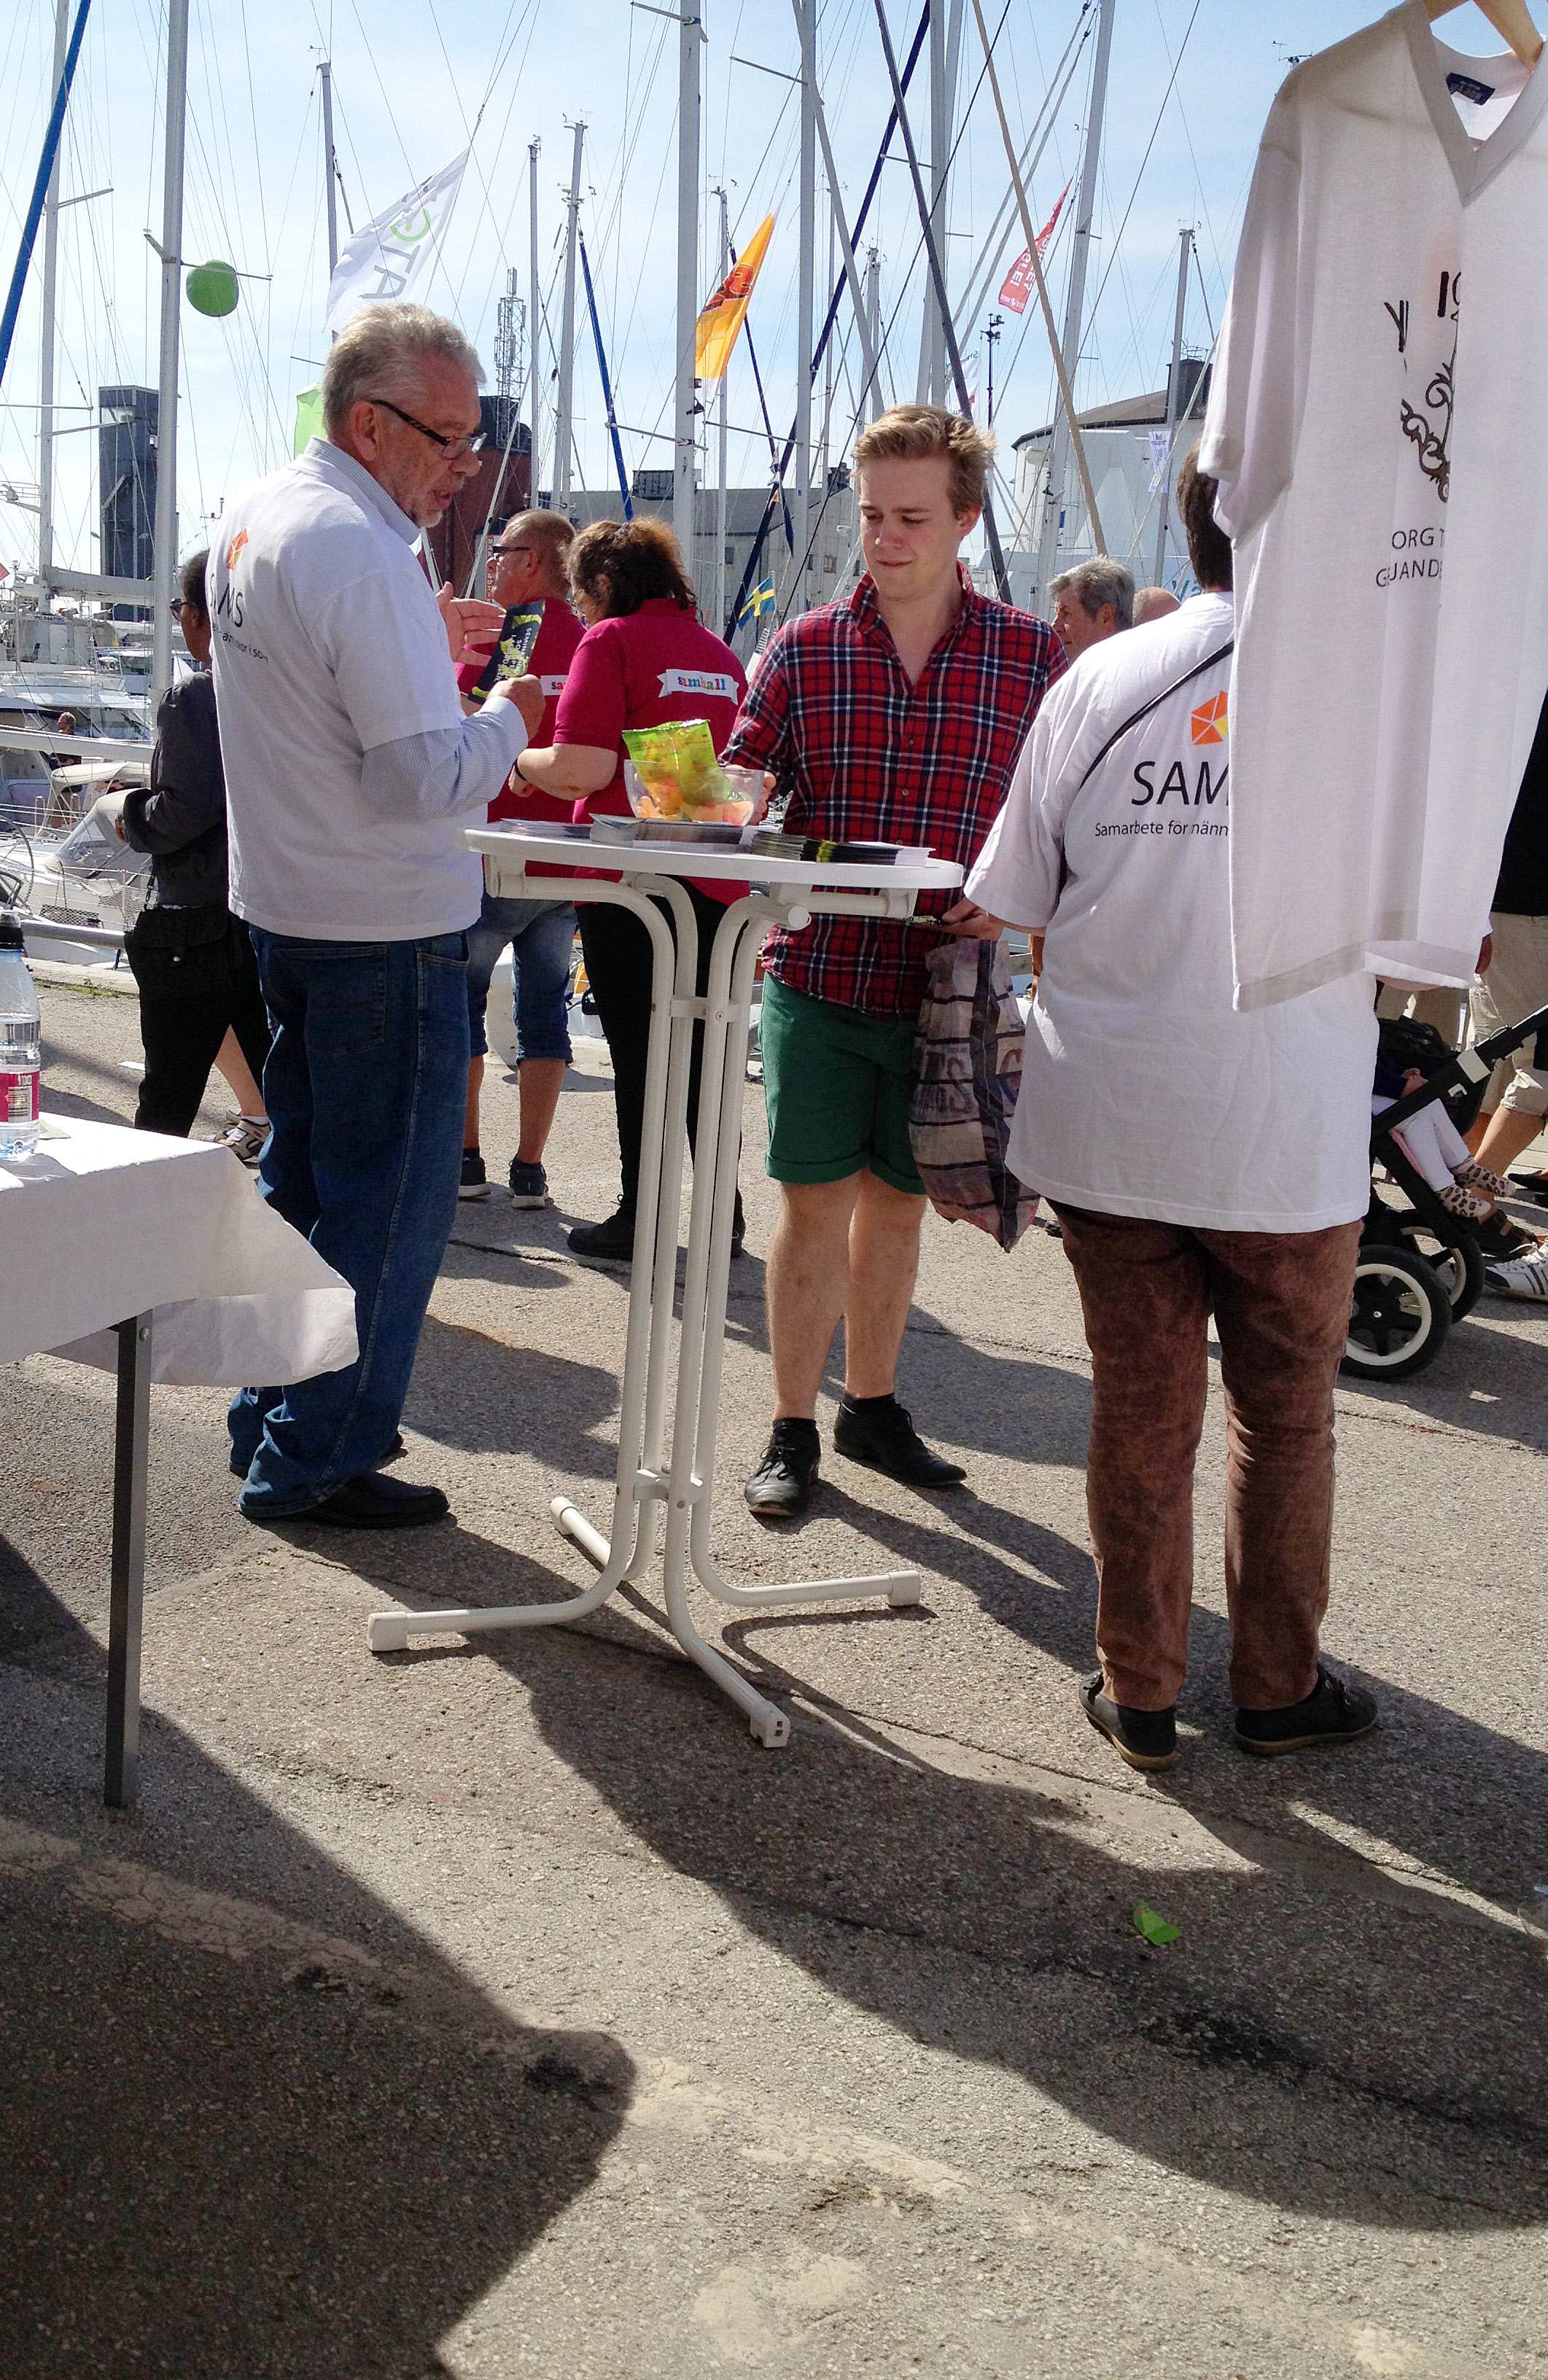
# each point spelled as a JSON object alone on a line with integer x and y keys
{"x": 351, "y": 770}
{"x": 529, "y": 578}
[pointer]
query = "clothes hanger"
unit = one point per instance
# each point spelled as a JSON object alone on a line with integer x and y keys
{"x": 1510, "y": 19}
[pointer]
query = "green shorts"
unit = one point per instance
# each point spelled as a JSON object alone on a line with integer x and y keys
{"x": 835, "y": 1083}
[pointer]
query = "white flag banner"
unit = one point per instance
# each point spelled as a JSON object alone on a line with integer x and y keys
{"x": 1160, "y": 456}
{"x": 393, "y": 256}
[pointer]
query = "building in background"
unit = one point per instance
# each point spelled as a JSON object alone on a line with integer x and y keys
{"x": 126, "y": 482}
{"x": 1126, "y": 447}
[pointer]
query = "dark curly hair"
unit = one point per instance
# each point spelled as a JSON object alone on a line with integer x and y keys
{"x": 621, "y": 564}
{"x": 1209, "y": 549}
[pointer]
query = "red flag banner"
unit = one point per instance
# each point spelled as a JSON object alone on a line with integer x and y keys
{"x": 1018, "y": 286}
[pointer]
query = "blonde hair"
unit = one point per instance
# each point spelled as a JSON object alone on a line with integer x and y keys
{"x": 914, "y": 433}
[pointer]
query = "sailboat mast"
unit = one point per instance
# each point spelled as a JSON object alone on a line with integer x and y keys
{"x": 1074, "y": 305}
{"x": 1174, "y": 400}
{"x": 533, "y": 476}
{"x": 806, "y": 278}
{"x": 329, "y": 168}
{"x": 563, "y": 436}
{"x": 872, "y": 402}
{"x": 720, "y": 611}
{"x": 49, "y": 340}
{"x": 166, "y": 569}
{"x": 684, "y": 454}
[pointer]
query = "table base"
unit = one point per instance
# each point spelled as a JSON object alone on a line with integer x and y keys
{"x": 644, "y": 1476}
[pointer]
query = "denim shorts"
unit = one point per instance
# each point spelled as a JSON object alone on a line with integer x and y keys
{"x": 541, "y": 935}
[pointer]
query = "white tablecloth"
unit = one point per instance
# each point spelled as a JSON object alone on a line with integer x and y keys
{"x": 99, "y": 1222}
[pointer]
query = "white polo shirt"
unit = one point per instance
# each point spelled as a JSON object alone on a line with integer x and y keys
{"x": 329, "y": 649}
{"x": 1143, "y": 1090}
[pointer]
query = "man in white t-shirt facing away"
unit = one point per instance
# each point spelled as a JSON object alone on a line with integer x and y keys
{"x": 1198, "y": 1159}
{"x": 351, "y": 770}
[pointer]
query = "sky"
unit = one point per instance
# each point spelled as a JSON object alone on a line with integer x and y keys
{"x": 1191, "y": 83}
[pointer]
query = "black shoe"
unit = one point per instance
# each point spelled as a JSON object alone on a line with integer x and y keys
{"x": 1145, "y": 1738}
{"x": 372, "y": 1502}
{"x": 475, "y": 1183}
{"x": 529, "y": 1185}
{"x": 882, "y": 1436}
{"x": 1334, "y": 1712}
{"x": 738, "y": 1229}
{"x": 394, "y": 1451}
{"x": 613, "y": 1238}
{"x": 781, "y": 1486}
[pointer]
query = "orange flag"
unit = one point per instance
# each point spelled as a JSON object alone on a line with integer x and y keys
{"x": 1019, "y": 282}
{"x": 725, "y": 312}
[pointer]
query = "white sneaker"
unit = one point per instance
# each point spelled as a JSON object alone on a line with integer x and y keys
{"x": 245, "y": 1138}
{"x": 1526, "y": 1279}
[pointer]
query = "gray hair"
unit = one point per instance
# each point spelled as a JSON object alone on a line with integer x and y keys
{"x": 381, "y": 352}
{"x": 1096, "y": 582}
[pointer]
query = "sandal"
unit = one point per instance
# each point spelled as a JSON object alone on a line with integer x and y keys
{"x": 1501, "y": 1240}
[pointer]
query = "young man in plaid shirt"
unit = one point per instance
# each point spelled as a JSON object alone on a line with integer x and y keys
{"x": 896, "y": 716}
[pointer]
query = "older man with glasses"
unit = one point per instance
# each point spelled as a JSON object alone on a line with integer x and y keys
{"x": 351, "y": 770}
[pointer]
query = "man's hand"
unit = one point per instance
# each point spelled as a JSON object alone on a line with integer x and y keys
{"x": 526, "y": 693}
{"x": 968, "y": 922}
{"x": 471, "y": 629}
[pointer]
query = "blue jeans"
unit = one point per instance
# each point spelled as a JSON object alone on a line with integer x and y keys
{"x": 365, "y": 1085}
{"x": 541, "y": 935}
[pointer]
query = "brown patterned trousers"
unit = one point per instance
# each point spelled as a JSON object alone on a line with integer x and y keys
{"x": 1281, "y": 1307}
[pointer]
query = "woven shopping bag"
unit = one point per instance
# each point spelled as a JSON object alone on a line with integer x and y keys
{"x": 967, "y": 1071}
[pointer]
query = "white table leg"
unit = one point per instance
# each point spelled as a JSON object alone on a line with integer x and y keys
{"x": 642, "y": 1396}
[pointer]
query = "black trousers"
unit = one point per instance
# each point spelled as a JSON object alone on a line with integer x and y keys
{"x": 189, "y": 995}
{"x": 617, "y": 951}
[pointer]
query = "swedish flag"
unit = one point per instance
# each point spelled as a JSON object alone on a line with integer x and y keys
{"x": 761, "y": 600}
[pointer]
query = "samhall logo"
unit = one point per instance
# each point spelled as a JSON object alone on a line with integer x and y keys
{"x": 1209, "y": 723}
{"x": 239, "y": 540}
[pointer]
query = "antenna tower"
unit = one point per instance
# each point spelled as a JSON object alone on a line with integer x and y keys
{"x": 510, "y": 338}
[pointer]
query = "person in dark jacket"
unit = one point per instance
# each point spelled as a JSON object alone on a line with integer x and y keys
{"x": 191, "y": 958}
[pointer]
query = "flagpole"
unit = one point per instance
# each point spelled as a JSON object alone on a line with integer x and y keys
{"x": 686, "y": 399}
{"x": 1173, "y": 398}
{"x": 563, "y": 436}
{"x": 1074, "y": 305}
{"x": 164, "y": 550}
{"x": 720, "y": 612}
{"x": 805, "y": 274}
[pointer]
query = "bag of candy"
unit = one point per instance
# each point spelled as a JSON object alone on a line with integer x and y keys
{"x": 674, "y": 775}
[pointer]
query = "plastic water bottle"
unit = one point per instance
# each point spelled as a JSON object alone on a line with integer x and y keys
{"x": 21, "y": 1055}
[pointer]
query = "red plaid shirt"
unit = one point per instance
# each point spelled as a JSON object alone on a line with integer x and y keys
{"x": 871, "y": 759}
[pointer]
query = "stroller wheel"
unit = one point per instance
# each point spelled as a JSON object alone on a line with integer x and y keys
{"x": 1459, "y": 1271}
{"x": 1400, "y": 1317}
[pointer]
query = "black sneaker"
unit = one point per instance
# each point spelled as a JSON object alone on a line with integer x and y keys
{"x": 882, "y": 1436}
{"x": 1334, "y": 1712}
{"x": 1145, "y": 1738}
{"x": 614, "y": 1238}
{"x": 781, "y": 1486}
{"x": 475, "y": 1183}
{"x": 529, "y": 1185}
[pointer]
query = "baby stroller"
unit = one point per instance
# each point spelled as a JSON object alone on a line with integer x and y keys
{"x": 1420, "y": 1267}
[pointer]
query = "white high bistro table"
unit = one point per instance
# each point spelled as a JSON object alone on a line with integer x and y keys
{"x": 156, "y": 1258}
{"x": 786, "y": 892}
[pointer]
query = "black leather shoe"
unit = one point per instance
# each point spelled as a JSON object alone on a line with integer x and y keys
{"x": 1333, "y": 1712}
{"x": 373, "y": 1502}
{"x": 884, "y": 1438}
{"x": 614, "y": 1238}
{"x": 781, "y": 1486}
{"x": 1145, "y": 1738}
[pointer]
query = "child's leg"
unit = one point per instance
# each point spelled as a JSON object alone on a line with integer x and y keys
{"x": 1417, "y": 1138}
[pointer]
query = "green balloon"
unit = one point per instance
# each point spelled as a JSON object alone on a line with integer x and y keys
{"x": 212, "y": 288}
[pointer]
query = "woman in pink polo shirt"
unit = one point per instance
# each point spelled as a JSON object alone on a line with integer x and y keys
{"x": 644, "y": 659}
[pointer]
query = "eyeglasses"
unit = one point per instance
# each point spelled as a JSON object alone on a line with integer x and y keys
{"x": 453, "y": 448}
{"x": 495, "y": 550}
{"x": 178, "y": 609}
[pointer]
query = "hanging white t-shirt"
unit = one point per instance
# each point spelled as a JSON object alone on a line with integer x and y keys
{"x": 1379, "y": 377}
{"x": 328, "y": 647}
{"x": 1144, "y": 1091}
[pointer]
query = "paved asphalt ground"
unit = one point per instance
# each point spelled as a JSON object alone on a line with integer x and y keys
{"x": 500, "y": 2008}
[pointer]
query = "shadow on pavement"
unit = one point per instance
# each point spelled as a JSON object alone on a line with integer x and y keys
{"x": 250, "y": 2120}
